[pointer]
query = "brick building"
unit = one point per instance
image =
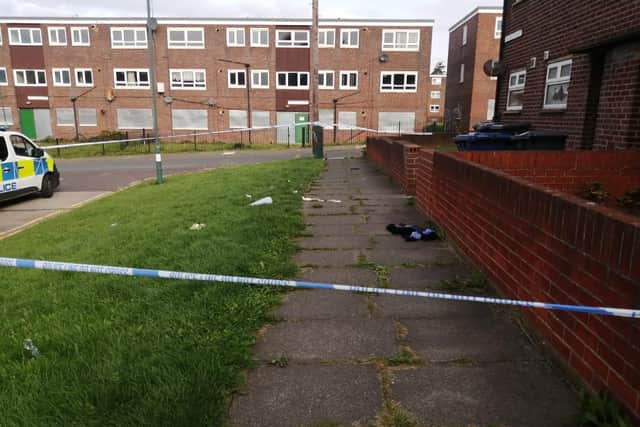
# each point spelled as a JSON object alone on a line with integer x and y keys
{"x": 382, "y": 65}
{"x": 573, "y": 66}
{"x": 437, "y": 93}
{"x": 470, "y": 92}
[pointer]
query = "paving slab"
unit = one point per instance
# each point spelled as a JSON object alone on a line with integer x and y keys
{"x": 329, "y": 339}
{"x": 320, "y": 304}
{"x": 335, "y": 219}
{"x": 301, "y": 395}
{"x": 478, "y": 339}
{"x": 426, "y": 278}
{"x": 331, "y": 242}
{"x": 332, "y": 230}
{"x": 327, "y": 258}
{"x": 339, "y": 275}
{"x": 428, "y": 255}
{"x": 390, "y": 241}
{"x": 512, "y": 394}
{"x": 407, "y": 308}
{"x": 396, "y": 218}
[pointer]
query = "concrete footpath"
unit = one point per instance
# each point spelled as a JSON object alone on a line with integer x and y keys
{"x": 338, "y": 358}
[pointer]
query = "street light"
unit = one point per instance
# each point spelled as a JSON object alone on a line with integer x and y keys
{"x": 246, "y": 81}
{"x": 74, "y": 98}
{"x": 152, "y": 25}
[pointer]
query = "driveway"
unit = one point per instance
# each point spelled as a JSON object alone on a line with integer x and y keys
{"x": 83, "y": 180}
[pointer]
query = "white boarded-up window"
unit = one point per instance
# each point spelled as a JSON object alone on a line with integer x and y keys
{"x": 396, "y": 121}
{"x": 346, "y": 119}
{"x": 134, "y": 118}
{"x": 87, "y": 117}
{"x": 237, "y": 119}
{"x": 190, "y": 119}
{"x": 260, "y": 119}
{"x": 64, "y": 117}
{"x": 326, "y": 118}
{"x": 5, "y": 116}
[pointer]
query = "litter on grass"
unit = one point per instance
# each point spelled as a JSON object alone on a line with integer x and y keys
{"x": 248, "y": 196}
{"x": 228, "y": 153}
{"x": 263, "y": 201}
{"x": 196, "y": 226}
{"x": 313, "y": 199}
{"x": 29, "y": 349}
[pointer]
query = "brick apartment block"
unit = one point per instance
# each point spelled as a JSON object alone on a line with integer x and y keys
{"x": 437, "y": 93}
{"x": 573, "y": 66}
{"x": 470, "y": 92}
{"x": 381, "y": 64}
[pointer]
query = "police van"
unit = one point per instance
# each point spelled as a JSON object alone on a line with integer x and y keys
{"x": 26, "y": 168}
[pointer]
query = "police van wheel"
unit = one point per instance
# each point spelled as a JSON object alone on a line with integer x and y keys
{"x": 47, "y": 186}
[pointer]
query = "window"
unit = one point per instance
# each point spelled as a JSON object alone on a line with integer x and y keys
{"x": 235, "y": 37}
{"x": 464, "y": 35}
{"x": 260, "y": 79}
{"x": 190, "y": 119}
{"x": 401, "y": 40}
{"x": 84, "y": 77}
{"x": 348, "y": 80}
{"x": 5, "y": 116}
{"x": 260, "y": 37}
{"x": 185, "y": 38}
{"x": 327, "y": 38}
{"x": 131, "y": 78}
{"x": 326, "y": 79}
{"x": 435, "y": 94}
{"x": 346, "y": 119}
{"x": 556, "y": 90}
{"x": 64, "y": 117}
{"x": 236, "y": 78}
{"x": 128, "y": 38}
{"x": 436, "y": 81}
{"x": 134, "y": 118}
{"x": 293, "y": 80}
{"x": 87, "y": 117}
{"x": 61, "y": 76}
{"x": 57, "y": 36}
{"x": 188, "y": 79}
{"x": 461, "y": 73}
{"x": 237, "y": 119}
{"x": 29, "y": 77}
{"x": 260, "y": 118}
{"x": 3, "y": 77}
{"x": 80, "y": 36}
{"x": 497, "y": 33}
{"x": 22, "y": 147}
{"x": 517, "y": 81}
{"x": 396, "y": 122}
{"x": 25, "y": 36}
{"x": 349, "y": 38}
{"x": 292, "y": 38}
{"x": 398, "y": 82}
{"x": 434, "y": 108}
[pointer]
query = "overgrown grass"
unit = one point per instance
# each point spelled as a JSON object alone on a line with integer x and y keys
{"x": 120, "y": 351}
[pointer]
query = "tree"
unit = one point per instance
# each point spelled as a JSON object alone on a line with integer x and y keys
{"x": 439, "y": 68}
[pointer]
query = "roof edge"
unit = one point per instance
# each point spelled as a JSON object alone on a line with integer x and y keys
{"x": 478, "y": 10}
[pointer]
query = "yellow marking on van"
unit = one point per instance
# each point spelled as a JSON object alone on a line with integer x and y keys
{"x": 28, "y": 169}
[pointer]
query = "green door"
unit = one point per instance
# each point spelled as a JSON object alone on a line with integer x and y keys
{"x": 302, "y": 132}
{"x": 28, "y": 123}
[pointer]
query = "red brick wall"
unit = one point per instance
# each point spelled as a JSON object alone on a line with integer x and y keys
{"x": 543, "y": 246}
{"x": 560, "y": 28}
{"x": 397, "y": 159}
{"x": 567, "y": 171}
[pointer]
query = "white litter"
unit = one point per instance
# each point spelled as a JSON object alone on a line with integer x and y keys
{"x": 295, "y": 191}
{"x": 196, "y": 226}
{"x": 228, "y": 153}
{"x": 313, "y": 199}
{"x": 263, "y": 201}
{"x": 115, "y": 224}
{"x": 248, "y": 196}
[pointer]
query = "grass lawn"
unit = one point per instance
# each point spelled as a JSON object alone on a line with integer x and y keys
{"x": 119, "y": 351}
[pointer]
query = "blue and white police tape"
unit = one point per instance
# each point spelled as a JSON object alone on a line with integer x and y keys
{"x": 177, "y": 275}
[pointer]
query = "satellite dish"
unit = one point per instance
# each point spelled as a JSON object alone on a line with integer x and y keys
{"x": 493, "y": 68}
{"x": 383, "y": 58}
{"x": 211, "y": 102}
{"x": 168, "y": 99}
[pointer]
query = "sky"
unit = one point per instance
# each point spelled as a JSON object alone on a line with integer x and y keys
{"x": 444, "y": 12}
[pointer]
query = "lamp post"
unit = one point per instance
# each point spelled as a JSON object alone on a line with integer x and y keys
{"x": 152, "y": 24}
{"x": 246, "y": 81}
{"x": 335, "y": 113}
{"x": 74, "y": 98}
